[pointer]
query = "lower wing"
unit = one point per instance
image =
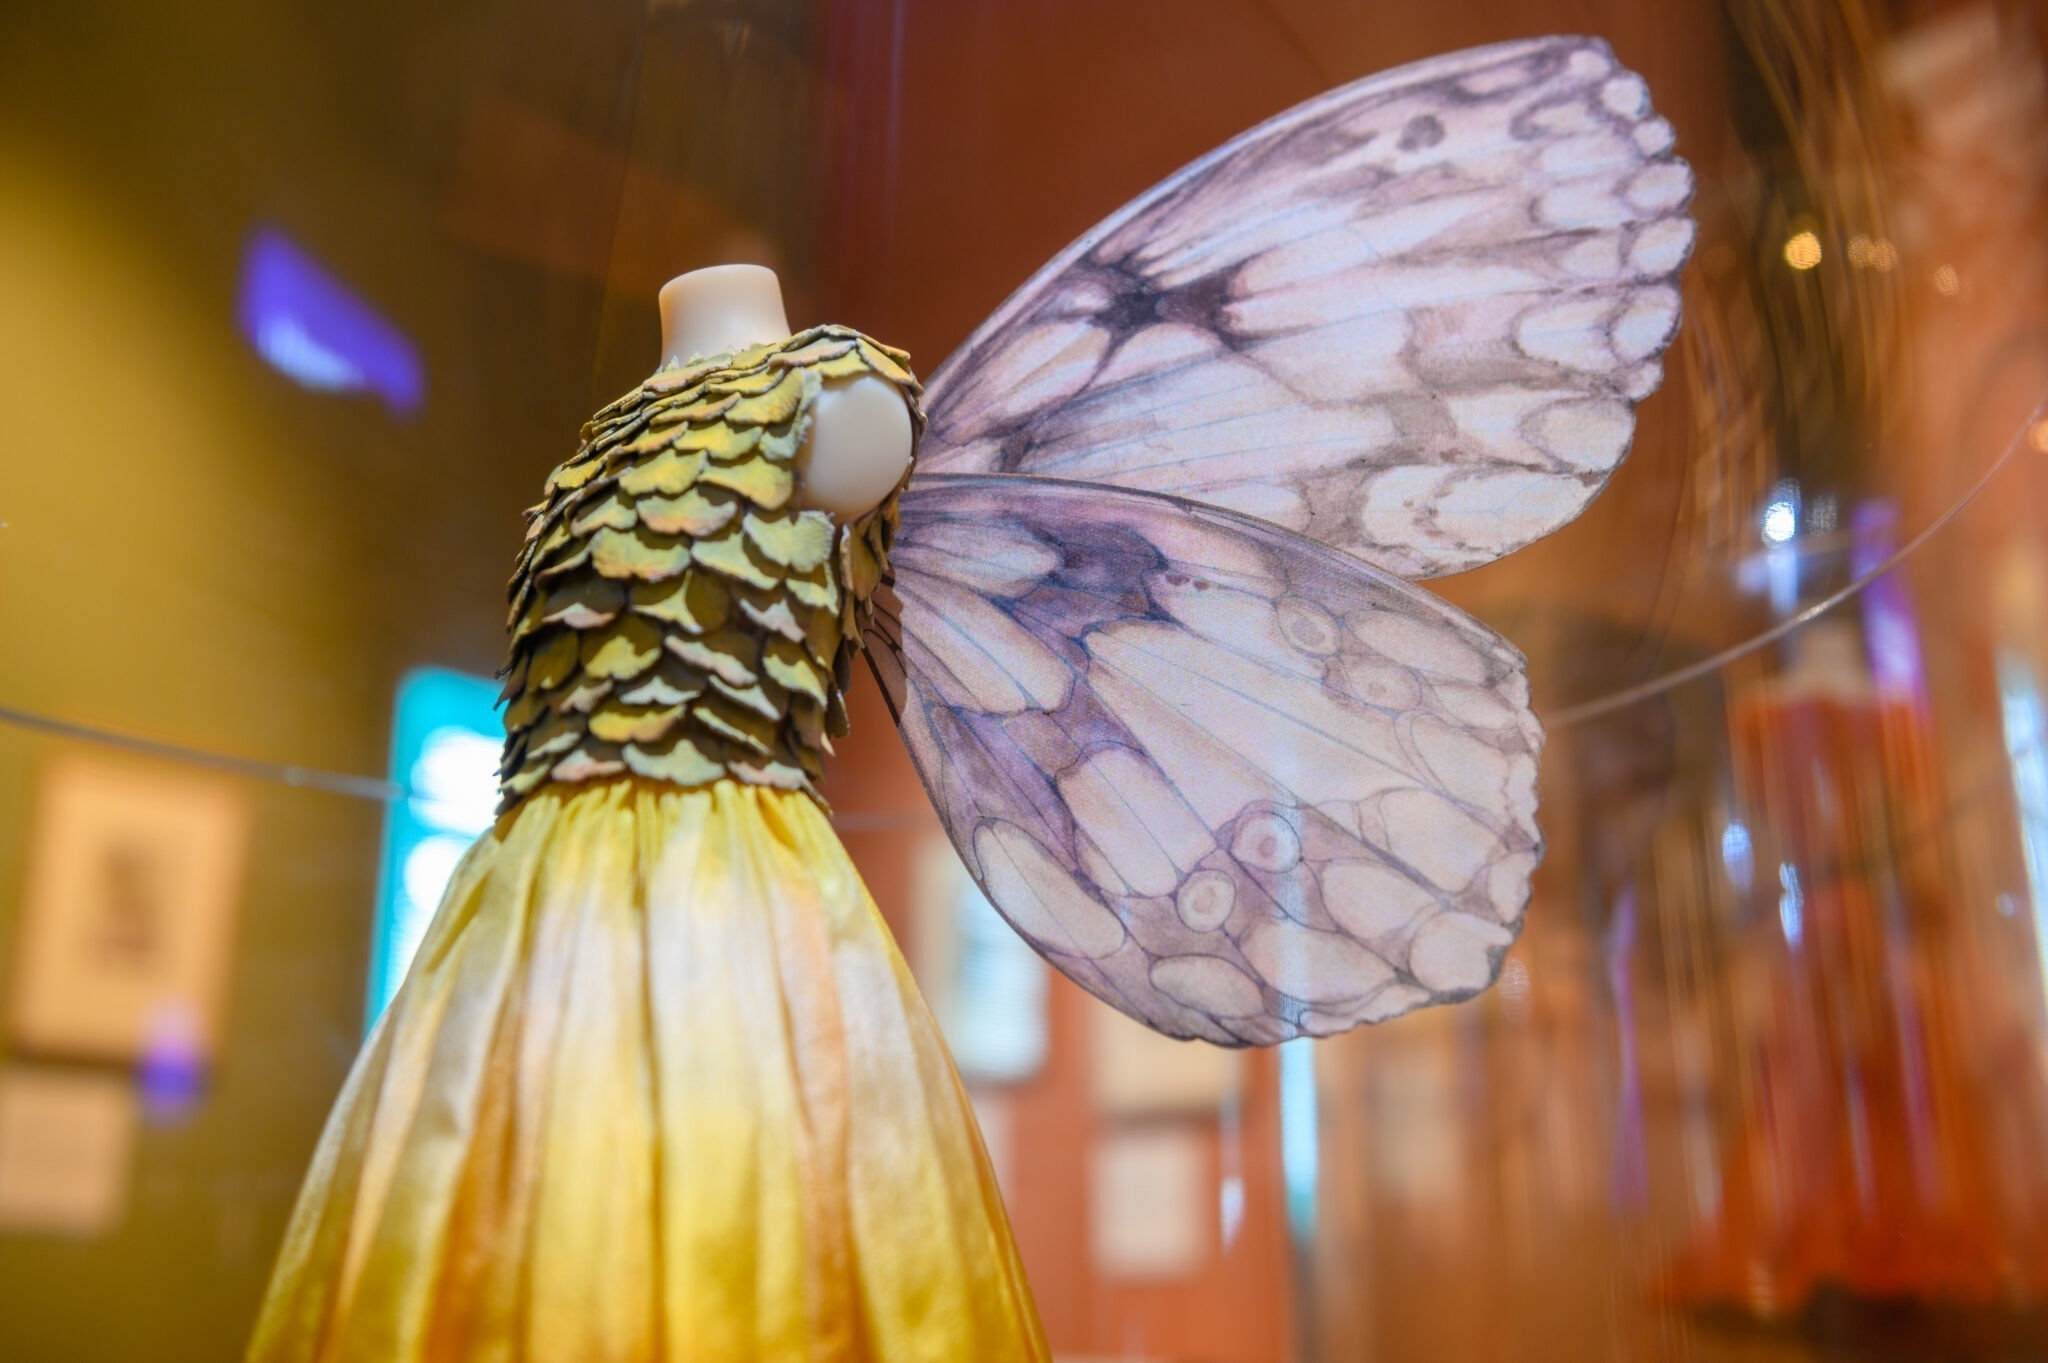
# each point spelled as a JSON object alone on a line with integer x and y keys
{"x": 1238, "y": 785}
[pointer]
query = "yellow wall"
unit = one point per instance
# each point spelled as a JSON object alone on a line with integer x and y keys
{"x": 169, "y": 566}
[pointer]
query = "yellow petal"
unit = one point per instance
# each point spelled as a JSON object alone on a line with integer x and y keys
{"x": 555, "y": 735}
{"x": 587, "y": 764}
{"x": 777, "y": 405}
{"x": 730, "y": 722}
{"x": 639, "y": 553}
{"x": 609, "y": 513}
{"x": 890, "y": 363}
{"x": 727, "y": 654}
{"x": 696, "y": 601}
{"x": 778, "y": 774}
{"x": 846, "y": 366}
{"x": 698, "y": 512}
{"x": 814, "y": 352}
{"x": 807, "y": 721}
{"x": 780, "y": 447}
{"x": 583, "y": 695}
{"x": 570, "y": 562}
{"x": 823, "y": 637}
{"x": 815, "y": 589}
{"x": 766, "y": 484}
{"x": 526, "y": 708}
{"x": 727, "y": 553}
{"x": 553, "y": 660}
{"x": 754, "y": 356}
{"x": 622, "y": 650}
{"x": 862, "y": 565}
{"x": 634, "y": 723}
{"x": 748, "y": 384}
{"x": 776, "y": 617}
{"x": 672, "y": 682}
{"x": 680, "y": 759}
{"x": 528, "y": 617}
{"x": 720, "y": 441}
{"x": 665, "y": 475}
{"x": 764, "y": 698}
{"x": 527, "y": 777}
{"x": 790, "y": 665}
{"x": 583, "y": 603}
{"x": 557, "y": 536}
{"x": 798, "y": 541}
{"x": 679, "y": 379}
{"x": 573, "y": 474}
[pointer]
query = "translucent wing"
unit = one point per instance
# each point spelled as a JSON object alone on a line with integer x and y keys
{"x": 1409, "y": 319}
{"x": 1234, "y": 783}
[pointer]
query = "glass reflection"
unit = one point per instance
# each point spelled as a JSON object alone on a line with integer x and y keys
{"x": 1764, "y": 1077}
{"x": 314, "y": 330}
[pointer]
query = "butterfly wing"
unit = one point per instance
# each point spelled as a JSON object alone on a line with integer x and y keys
{"x": 1236, "y": 784}
{"x": 1409, "y": 319}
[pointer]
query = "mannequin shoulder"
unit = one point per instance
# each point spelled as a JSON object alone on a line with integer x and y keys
{"x": 858, "y": 446}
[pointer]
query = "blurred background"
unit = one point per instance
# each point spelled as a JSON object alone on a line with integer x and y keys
{"x": 298, "y": 305}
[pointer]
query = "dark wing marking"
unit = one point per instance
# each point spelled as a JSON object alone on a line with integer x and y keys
{"x": 1234, "y": 783}
{"x": 1409, "y": 319}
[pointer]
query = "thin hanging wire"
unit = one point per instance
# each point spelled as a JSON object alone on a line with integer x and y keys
{"x": 1656, "y": 686}
{"x": 371, "y": 788}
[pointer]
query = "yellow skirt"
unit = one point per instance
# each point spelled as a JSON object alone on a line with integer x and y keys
{"x": 658, "y": 1087}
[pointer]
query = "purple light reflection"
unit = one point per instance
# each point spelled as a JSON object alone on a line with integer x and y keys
{"x": 1629, "y": 1187}
{"x": 1889, "y": 630}
{"x": 313, "y": 329}
{"x": 172, "y": 1072}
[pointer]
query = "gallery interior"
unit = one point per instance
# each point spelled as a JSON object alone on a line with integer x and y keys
{"x": 299, "y": 307}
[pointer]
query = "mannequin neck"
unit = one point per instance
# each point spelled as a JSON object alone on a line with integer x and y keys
{"x": 719, "y": 310}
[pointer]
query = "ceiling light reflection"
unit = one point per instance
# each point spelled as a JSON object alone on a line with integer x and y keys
{"x": 316, "y": 331}
{"x": 1872, "y": 253}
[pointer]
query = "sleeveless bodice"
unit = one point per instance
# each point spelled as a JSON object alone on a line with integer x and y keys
{"x": 675, "y": 615}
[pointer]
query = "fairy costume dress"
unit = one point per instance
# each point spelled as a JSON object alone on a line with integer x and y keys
{"x": 659, "y": 1084}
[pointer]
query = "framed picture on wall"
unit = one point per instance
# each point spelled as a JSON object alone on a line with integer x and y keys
{"x": 126, "y": 921}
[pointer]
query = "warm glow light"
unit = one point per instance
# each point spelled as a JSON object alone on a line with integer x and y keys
{"x": 1872, "y": 253}
{"x": 2037, "y": 436}
{"x": 1802, "y": 251}
{"x": 1514, "y": 992}
{"x": 1947, "y": 281}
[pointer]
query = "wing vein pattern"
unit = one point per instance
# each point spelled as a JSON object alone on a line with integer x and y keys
{"x": 1235, "y": 783}
{"x": 1409, "y": 319}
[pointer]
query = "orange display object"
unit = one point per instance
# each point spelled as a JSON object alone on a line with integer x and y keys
{"x": 1859, "y": 1166}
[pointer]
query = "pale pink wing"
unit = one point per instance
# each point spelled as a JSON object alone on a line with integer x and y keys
{"x": 1409, "y": 319}
{"x": 1239, "y": 785}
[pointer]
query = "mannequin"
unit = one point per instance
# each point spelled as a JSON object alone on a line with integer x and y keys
{"x": 859, "y": 442}
{"x": 658, "y": 1084}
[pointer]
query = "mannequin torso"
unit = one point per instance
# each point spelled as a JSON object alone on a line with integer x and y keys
{"x": 859, "y": 442}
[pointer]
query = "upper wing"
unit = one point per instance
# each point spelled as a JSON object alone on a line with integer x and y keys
{"x": 1236, "y": 784}
{"x": 1409, "y": 319}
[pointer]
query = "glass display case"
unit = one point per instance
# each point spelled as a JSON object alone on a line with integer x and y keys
{"x": 298, "y": 308}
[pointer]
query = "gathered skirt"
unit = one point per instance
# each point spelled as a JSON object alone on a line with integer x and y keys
{"x": 658, "y": 1087}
